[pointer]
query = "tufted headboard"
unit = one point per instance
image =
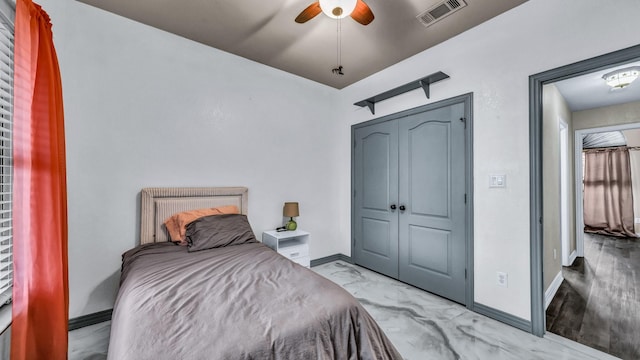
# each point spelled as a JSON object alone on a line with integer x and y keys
{"x": 157, "y": 204}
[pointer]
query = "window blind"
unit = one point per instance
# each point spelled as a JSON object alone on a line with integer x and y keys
{"x": 6, "y": 159}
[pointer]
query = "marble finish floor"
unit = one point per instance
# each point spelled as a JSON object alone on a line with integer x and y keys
{"x": 421, "y": 325}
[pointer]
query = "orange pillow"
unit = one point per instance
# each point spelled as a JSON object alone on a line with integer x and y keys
{"x": 177, "y": 223}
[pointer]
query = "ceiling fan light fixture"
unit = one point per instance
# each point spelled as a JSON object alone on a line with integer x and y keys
{"x": 338, "y": 9}
{"x": 620, "y": 78}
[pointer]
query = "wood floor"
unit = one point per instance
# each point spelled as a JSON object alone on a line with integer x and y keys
{"x": 598, "y": 303}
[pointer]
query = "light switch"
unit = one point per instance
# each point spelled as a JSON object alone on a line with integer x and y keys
{"x": 497, "y": 181}
{"x": 502, "y": 278}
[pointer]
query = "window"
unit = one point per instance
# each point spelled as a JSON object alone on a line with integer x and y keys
{"x": 6, "y": 158}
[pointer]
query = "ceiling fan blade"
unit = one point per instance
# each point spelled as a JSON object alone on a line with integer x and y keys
{"x": 309, "y": 13}
{"x": 362, "y": 13}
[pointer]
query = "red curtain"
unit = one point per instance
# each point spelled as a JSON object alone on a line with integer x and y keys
{"x": 40, "y": 287}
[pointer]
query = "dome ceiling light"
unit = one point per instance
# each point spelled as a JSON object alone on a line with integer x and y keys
{"x": 621, "y": 78}
{"x": 338, "y": 9}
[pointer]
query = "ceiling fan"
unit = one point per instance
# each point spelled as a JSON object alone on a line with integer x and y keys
{"x": 338, "y": 9}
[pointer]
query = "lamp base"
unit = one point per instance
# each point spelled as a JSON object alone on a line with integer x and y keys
{"x": 291, "y": 225}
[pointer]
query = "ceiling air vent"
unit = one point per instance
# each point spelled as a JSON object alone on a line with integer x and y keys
{"x": 439, "y": 11}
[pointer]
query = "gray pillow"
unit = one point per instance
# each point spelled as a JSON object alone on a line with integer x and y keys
{"x": 219, "y": 230}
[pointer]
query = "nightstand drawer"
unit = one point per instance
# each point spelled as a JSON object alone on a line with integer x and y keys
{"x": 294, "y": 251}
{"x": 304, "y": 261}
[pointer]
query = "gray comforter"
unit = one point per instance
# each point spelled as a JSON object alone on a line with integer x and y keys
{"x": 236, "y": 302}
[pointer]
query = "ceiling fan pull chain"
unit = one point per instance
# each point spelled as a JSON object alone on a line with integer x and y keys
{"x": 338, "y": 69}
{"x": 338, "y": 45}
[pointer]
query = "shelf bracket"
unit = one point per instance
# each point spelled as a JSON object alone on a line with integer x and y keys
{"x": 425, "y": 87}
{"x": 371, "y": 105}
{"x": 423, "y": 83}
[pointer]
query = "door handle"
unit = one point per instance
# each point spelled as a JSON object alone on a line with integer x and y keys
{"x": 393, "y": 206}
{"x": 402, "y": 208}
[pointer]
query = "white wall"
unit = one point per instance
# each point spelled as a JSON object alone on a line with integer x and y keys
{"x": 5, "y": 344}
{"x": 628, "y": 113}
{"x": 147, "y": 108}
{"x": 494, "y": 61}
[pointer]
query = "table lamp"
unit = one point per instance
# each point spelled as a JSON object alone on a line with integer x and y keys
{"x": 290, "y": 210}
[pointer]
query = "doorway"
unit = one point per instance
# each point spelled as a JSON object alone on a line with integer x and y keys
{"x": 536, "y": 84}
{"x": 412, "y": 203}
{"x": 597, "y": 297}
{"x": 579, "y": 168}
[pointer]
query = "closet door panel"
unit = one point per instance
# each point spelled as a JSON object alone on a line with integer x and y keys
{"x": 375, "y": 190}
{"x": 432, "y": 249}
{"x": 429, "y": 165}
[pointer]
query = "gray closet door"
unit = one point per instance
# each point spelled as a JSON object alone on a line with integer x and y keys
{"x": 376, "y": 189}
{"x": 432, "y": 239}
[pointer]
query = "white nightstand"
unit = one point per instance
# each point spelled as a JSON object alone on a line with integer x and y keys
{"x": 294, "y": 245}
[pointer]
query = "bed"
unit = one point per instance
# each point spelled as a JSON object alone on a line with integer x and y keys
{"x": 240, "y": 301}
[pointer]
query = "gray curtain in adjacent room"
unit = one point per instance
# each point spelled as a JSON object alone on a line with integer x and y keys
{"x": 608, "y": 199}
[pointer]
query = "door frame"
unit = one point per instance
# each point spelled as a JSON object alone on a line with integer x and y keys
{"x": 536, "y": 82}
{"x": 467, "y": 100}
{"x": 564, "y": 193}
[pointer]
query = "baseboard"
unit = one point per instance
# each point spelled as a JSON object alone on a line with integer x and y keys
{"x": 503, "y": 317}
{"x": 572, "y": 257}
{"x": 90, "y": 319}
{"x": 331, "y": 258}
{"x": 553, "y": 289}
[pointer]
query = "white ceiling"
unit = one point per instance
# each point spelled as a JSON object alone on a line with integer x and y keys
{"x": 590, "y": 91}
{"x": 265, "y": 31}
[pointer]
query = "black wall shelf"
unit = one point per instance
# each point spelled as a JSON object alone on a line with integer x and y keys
{"x": 423, "y": 83}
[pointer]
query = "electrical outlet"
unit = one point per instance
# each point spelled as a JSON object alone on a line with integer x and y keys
{"x": 637, "y": 220}
{"x": 503, "y": 279}
{"x": 555, "y": 254}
